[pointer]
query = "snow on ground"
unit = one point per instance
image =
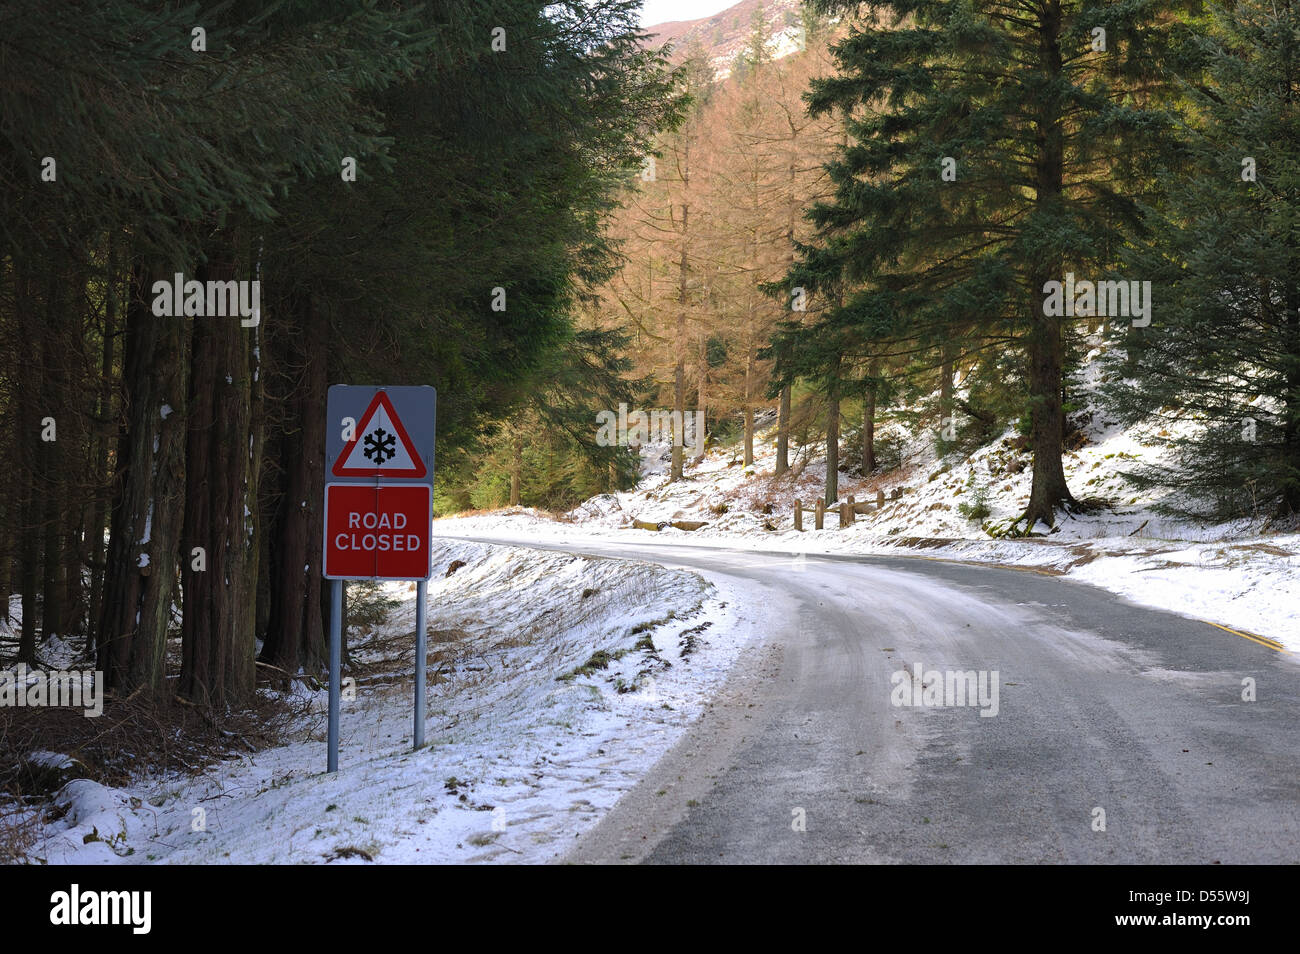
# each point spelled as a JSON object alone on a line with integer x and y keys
{"x": 530, "y": 740}
{"x": 1234, "y": 574}
{"x": 1251, "y": 584}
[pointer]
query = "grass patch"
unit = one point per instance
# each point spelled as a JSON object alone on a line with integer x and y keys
{"x": 349, "y": 851}
{"x": 600, "y": 659}
{"x": 690, "y": 639}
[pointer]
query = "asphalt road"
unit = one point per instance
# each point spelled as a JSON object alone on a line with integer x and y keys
{"x": 1101, "y": 705}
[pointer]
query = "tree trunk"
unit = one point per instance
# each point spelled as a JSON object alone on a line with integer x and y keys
{"x": 28, "y": 506}
{"x": 72, "y": 577}
{"x": 10, "y": 520}
{"x": 1291, "y": 428}
{"x": 8, "y": 524}
{"x": 794, "y": 209}
{"x": 749, "y": 368}
{"x": 1049, "y": 491}
{"x": 701, "y": 392}
{"x": 83, "y": 483}
{"x": 679, "y": 370}
{"x": 143, "y": 550}
{"x": 945, "y": 385}
{"x": 217, "y": 664}
{"x": 295, "y": 636}
{"x": 516, "y": 466}
{"x": 833, "y": 436}
{"x": 749, "y": 434}
{"x": 783, "y": 433}
{"x": 869, "y": 418}
{"x": 53, "y": 485}
{"x": 104, "y": 431}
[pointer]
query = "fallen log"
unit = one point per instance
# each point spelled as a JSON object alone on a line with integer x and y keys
{"x": 689, "y": 524}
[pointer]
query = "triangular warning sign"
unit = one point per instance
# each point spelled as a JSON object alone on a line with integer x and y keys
{"x": 380, "y": 447}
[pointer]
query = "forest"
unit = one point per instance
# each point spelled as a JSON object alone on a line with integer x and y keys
{"x": 538, "y": 210}
{"x": 377, "y": 179}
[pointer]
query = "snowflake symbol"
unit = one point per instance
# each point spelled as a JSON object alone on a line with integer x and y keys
{"x": 379, "y": 444}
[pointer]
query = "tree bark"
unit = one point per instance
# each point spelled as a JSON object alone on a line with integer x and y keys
{"x": 679, "y": 370}
{"x": 1049, "y": 491}
{"x": 7, "y": 525}
{"x": 749, "y": 362}
{"x": 783, "y": 433}
{"x": 11, "y": 457}
{"x": 28, "y": 505}
{"x": 52, "y": 486}
{"x": 516, "y": 466}
{"x": 1291, "y": 427}
{"x": 869, "y": 418}
{"x": 945, "y": 387}
{"x": 749, "y": 432}
{"x": 295, "y": 636}
{"x": 217, "y": 661}
{"x": 104, "y": 432}
{"x": 701, "y": 392}
{"x": 143, "y": 550}
{"x": 833, "y": 436}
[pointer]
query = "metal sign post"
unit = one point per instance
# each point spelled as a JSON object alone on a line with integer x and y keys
{"x": 378, "y": 513}
{"x": 336, "y": 653}
{"x": 421, "y": 656}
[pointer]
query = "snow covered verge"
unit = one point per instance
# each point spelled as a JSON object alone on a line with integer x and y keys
{"x": 1244, "y": 575}
{"x": 1251, "y": 584}
{"x": 555, "y": 682}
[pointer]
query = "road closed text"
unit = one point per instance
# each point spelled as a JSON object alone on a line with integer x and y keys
{"x": 374, "y": 531}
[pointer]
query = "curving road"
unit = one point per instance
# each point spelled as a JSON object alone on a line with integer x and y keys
{"x": 1102, "y": 705}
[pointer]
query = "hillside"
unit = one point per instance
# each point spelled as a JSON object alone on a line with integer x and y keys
{"x": 723, "y": 36}
{"x": 958, "y": 507}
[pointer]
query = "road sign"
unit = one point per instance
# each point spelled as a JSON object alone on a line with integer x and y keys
{"x": 380, "y": 434}
{"x": 378, "y": 512}
{"x": 379, "y": 498}
{"x": 380, "y": 446}
{"x": 377, "y": 532}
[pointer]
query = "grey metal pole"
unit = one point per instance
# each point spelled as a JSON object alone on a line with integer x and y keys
{"x": 336, "y": 652}
{"x": 421, "y": 655}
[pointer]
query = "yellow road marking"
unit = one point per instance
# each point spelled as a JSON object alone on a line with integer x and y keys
{"x": 1041, "y": 571}
{"x": 1253, "y": 637}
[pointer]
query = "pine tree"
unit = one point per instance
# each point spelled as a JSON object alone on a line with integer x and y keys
{"x": 994, "y": 148}
{"x": 199, "y": 441}
{"x": 1222, "y": 353}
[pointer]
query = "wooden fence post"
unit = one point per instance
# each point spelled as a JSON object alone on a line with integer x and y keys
{"x": 880, "y": 498}
{"x": 798, "y": 515}
{"x": 819, "y": 513}
{"x": 852, "y": 510}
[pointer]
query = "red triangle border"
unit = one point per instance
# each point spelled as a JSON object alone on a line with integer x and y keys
{"x": 380, "y": 399}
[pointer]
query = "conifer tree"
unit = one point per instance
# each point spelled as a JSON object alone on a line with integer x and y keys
{"x": 1222, "y": 353}
{"x": 994, "y": 147}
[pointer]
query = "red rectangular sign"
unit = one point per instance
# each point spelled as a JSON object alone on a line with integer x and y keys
{"x": 377, "y": 533}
